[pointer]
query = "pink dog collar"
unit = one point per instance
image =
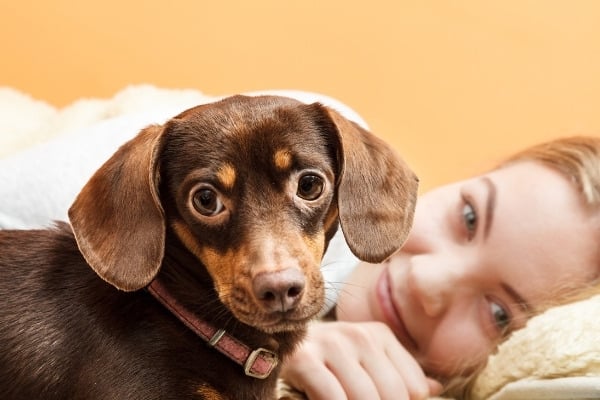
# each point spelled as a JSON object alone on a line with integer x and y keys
{"x": 257, "y": 363}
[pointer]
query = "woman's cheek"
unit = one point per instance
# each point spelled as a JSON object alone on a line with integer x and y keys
{"x": 357, "y": 301}
{"x": 456, "y": 346}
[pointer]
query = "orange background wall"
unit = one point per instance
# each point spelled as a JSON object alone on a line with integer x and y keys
{"x": 453, "y": 85}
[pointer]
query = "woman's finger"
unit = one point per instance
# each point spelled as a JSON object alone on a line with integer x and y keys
{"x": 356, "y": 382}
{"x": 413, "y": 376}
{"x": 317, "y": 383}
{"x": 394, "y": 371}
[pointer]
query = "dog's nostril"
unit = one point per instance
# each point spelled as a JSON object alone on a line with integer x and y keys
{"x": 268, "y": 296}
{"x": 279, "y": 291}
{"x": 294, "y": 291}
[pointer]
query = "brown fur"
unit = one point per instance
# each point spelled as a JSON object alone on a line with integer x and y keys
{"x": 67, "y": 334}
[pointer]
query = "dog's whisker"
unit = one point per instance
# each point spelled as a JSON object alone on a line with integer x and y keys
{"x": 344, "y": 289}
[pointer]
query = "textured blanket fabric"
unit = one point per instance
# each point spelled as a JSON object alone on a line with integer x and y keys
{"x": 561, "y": 343}
{"x": 47, "y": 154}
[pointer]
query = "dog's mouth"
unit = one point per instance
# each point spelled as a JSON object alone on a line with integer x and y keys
{"x": 276, "y": 321}
{"x": 282, "y": 301}
{"x": 271, "y": 320}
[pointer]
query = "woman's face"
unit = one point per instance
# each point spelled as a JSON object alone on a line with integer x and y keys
{"x": 482, "y": 255}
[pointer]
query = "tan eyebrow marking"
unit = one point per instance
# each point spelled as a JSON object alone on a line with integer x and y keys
{"x": 282, "y": 159}
{"x": 227, "y": 175}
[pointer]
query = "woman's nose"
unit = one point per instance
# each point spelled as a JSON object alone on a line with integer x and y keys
{"x": 441, "y": 266}
{"x": 435, "y": 286}
{"x": 429, "y": 234}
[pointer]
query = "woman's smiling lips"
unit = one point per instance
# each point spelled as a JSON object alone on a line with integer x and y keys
{"x": 391, "y": 314}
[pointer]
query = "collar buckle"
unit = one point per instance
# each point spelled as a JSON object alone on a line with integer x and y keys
{"x": 260, "y": 363}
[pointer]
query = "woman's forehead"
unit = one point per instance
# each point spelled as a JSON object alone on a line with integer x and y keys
{"x": 543, "y": 226}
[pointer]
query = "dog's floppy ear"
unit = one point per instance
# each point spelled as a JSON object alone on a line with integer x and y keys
{"x": 377, "y": 192}
{"x": 117, "y": 217}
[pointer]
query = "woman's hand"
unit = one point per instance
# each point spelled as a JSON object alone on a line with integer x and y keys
{"x": 356, "y": 361}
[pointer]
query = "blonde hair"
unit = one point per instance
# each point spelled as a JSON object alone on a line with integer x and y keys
{"x": 577, "y": 158}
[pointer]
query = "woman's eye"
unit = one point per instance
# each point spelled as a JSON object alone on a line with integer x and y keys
{"x": 500, "y": 316}
{"x": 207, "y": 202}
{"x": 470, "y": 219}
{"x": 310, "y": 187}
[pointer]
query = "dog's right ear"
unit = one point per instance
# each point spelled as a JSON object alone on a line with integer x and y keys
{"x": 117, "y": 217}
{"x": 377, "y": 192}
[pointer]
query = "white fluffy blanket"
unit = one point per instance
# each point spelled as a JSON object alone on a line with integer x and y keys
{"x": 47, "y": 154}
{"x": 557, "y": 356}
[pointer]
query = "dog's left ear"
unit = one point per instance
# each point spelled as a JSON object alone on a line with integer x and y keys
{"x": 117, "y": 217}
{"x": 377, "y": 192}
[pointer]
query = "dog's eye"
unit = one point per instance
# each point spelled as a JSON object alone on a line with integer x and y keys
{"x": 310, "y": 187}
{"x": 207, "y": 202}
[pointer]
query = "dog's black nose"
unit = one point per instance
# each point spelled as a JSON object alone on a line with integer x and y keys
{"x": 279, "y": 291}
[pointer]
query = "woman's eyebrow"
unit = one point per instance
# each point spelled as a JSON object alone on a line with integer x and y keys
{"x": 517, "y": 298}
{"x": 490, "y": 205}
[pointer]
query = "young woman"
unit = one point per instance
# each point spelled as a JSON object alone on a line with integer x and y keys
{"x": 483, "y": 255}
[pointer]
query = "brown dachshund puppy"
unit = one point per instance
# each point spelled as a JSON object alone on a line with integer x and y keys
{"x": 191, "y": 265}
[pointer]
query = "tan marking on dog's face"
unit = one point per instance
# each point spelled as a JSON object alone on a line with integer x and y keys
{"x": 217, "y": 264}
{"x": 233, "y": 272}
{"x": 315, "y": 245}
{"x": 188, "y": 239}
{"x": 222, "y": 268}
{"x": 227, "y": 175}
{"x": 282, "y": 159}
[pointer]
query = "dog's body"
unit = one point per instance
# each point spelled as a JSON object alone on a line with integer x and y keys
{"x": 229, "y": 206}
{"x": 68, "y": 335}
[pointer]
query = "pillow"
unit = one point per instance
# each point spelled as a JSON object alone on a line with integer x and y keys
{"x": 556, "y": 356}
{"x": 25, "y": 121}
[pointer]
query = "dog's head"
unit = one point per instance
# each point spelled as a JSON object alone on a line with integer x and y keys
{"x": 254, "y": 187}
